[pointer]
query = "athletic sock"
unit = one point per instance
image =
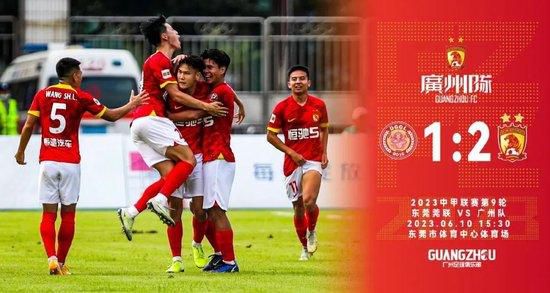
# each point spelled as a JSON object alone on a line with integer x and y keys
{"x": 148, "y": 193}
{"x": 199, "y": 229}
{"x": 311, "y": 217}
{"x": 300, "y": 223}
{"x": 175, "y": 235}
{"x": 176, "y": 177}
{"x": 225, "y": 241}
{"x": 210, "y": 234}
{"x": 47, "y": 232}
{"x": 66, "y": 235}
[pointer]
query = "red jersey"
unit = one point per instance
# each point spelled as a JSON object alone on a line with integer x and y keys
{"x": 301, "y": 126}
{"x": 155, "y": 76}
{"x": 216, "y": 142}
{"x": 60, "y": 108}
{"x": 191, "y": 130}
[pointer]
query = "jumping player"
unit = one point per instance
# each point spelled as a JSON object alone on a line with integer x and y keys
{"x": 59, "y": 109}
{"x": 304, "y": 122}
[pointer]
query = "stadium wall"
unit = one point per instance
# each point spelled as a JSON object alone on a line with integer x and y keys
{"x": 114, "y": 175}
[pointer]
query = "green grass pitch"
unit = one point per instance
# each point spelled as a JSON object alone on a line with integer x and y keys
{"x": 101, "y": 259}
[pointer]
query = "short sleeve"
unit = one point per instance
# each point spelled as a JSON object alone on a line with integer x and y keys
{"x": 162, "y": 71}
{"x": 92, "y": 104}
{"x": 35, "y": 105}
{"x": 323, "y": 122}
{"x": 276, "y": 120}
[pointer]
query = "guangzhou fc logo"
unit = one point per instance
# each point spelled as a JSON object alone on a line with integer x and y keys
{"x": 512, "y": 139}
{"x": 456, "y": 55}
{"x": 398, "y": 140}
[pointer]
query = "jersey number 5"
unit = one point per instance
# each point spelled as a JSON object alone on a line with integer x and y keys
{"x": 55, "y": 116}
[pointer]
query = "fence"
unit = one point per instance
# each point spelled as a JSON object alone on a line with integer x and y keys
{"x": 261, "y": 51}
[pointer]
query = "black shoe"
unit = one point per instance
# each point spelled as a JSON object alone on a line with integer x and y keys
{"x": 216, "y": 260}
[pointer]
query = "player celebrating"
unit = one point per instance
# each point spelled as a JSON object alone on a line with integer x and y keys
{"x": 303, "y": 120}
{"x": 59, "y": 108}
{"x": 219, "y": 161}
{"x": 156, "y": 137}
{"x": 189, "y": 123}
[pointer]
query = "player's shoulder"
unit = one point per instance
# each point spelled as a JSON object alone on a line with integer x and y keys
{"x": 156, "y": 59}
{"x": 316, "y": 100}
{"x": 284, "y": 102}
{"x": 223, "y": 88}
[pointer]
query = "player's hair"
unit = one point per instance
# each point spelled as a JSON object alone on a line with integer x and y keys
{"x": 298, "y": 68}
{"x": 194, "y": 62}
{"x": 66, "y": 66}
{"x": 218, "y": 56}
{"x": 153, "y": 28}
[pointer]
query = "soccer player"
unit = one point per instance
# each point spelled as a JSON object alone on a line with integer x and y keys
{"x": 304, "y": 122}
{"x": 156, "y": 137}
{"x": 219, "y": 161}
{"x": 59, "y": 109}
{"x": 189, "y": 123}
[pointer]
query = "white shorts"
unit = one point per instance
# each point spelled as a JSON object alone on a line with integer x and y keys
{"x": 152, "y": 135}
{"x": 194, "y": 185}
{"x": 218, "y": 180}
{"x": 59, "y": 182}
{"x": 293, "y": 183}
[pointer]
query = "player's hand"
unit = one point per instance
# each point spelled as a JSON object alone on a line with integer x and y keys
{"x": 297, "y": 158}
{"x": 20, "y": 158}
{"x": 216, "y": 109}
{"x": 177, "y": 59}
{"x": 324, "y": 161}
{"x": 240, "y": 115}
{"x": 141, "y": 98}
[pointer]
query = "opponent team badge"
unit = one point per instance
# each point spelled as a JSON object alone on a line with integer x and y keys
{"x": 512, "y": 139}
{"x": 398, "y": 140}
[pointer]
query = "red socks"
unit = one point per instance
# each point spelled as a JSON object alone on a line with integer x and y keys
{"x": 300, "y": 223}
{"x": 148, "y": 193}
{"x": 66, "y": 235}
{"x": 199, "y": 229}
{"x": 176, "y": 177}
{"x": 311, "y": 218}
{"x": 175, "y": 234}
{"x": 47, "y": 232}
{"x": 211, "y": 235}
{"x": 225, "y": 241}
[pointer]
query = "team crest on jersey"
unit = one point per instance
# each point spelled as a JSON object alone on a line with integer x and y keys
{"x": 512, "y": 139}
{"x": 316, "y": 116}
{"x": 398, "y": 140}
{"x": 97, "y": 102}
{"x": 213, "y": 97}
{"x": 166, "y": 73}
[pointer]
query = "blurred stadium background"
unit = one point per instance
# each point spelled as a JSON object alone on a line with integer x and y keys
{"x": 263, "y": 38}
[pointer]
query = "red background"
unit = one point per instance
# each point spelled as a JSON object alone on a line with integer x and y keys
{"x": 402, "y": 265}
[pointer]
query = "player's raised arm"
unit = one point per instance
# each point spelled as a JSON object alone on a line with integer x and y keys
{"x": 117, "y": 113}
{"x": 26, "y": 133}
{"x": 214, "y": 109}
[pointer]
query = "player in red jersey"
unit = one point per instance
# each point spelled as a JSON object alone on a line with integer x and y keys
{"x": 219, "y": 161}
{"x": 59, "y": 109}
{"x": 156, "y": 137}
{"x": 304, "y": 122}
